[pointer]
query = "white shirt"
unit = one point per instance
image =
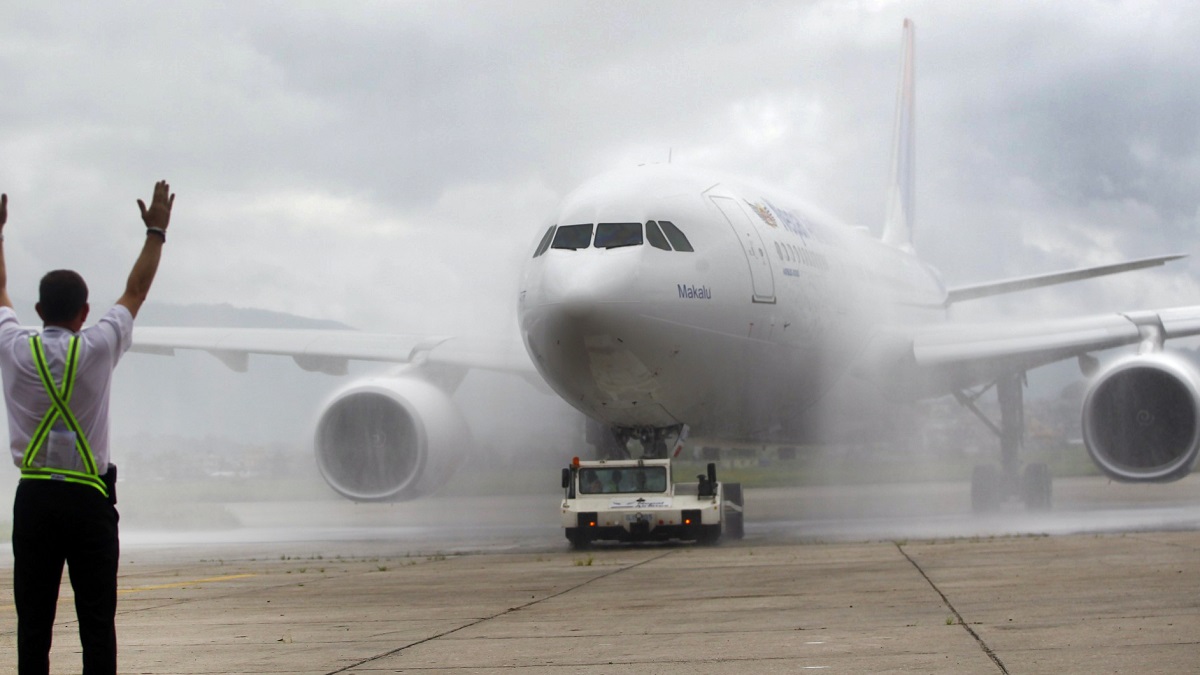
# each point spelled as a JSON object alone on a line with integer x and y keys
{"x": 101, "y": 346}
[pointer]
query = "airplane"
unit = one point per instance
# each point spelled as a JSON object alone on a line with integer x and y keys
{"x": 663, "y": 302}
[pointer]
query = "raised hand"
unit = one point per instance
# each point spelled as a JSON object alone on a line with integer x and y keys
{"x": 159, "y": 213}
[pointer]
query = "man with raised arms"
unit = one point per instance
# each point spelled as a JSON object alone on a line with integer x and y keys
{"x": 56, "y": 387}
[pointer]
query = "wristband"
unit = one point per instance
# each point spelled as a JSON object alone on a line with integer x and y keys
{"x": 159, "y": 231}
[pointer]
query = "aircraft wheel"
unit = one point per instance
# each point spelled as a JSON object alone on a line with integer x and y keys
{"x": 985, "y": 488}
{"x": 1037, "y": 487}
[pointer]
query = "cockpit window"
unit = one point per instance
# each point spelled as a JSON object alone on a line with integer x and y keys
{"x": 661, "y": 235}
{"x": 616, "y": 235}
{"x": 678, "y": 241}
{"x": 573, "y": 237}
{"x": 655, "y": 236}
{"x": 545, "y": 243}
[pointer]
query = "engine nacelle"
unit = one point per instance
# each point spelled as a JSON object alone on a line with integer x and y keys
{"x": 389, "y": 439}
{"x": 1141, "y": 419}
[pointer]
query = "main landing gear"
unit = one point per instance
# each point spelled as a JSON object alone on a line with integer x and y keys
{"x": 992, "y": 485}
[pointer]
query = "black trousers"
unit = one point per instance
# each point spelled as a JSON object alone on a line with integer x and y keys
{"x": 56, "y": 522}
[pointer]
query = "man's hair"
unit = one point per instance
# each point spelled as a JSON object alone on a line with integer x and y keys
{"x": 61, "y": 295}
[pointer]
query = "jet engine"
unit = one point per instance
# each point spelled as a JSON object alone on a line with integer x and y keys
{"x": 389, "y": 439}
{"x": 1141, "y": 419}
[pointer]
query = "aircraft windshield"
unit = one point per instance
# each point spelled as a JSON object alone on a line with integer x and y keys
{"x": 573, "y": 236}
{"x": 545, "y": 242}
{"x": 654, "y": 236}
{"x": 678, "y": 241}
{"x": 615, "y": 235}
{"x": 623, "y": 481}
{"x": 662, "y": 234}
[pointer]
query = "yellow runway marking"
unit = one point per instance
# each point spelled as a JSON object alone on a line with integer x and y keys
{"x": 181, "y": 584}
{"x": 65, "y": 597}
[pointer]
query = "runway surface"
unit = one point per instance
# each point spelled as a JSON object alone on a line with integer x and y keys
{"x": 871, "y": 579}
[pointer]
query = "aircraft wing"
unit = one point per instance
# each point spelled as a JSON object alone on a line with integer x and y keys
{"x": 329, "y": 351}
{"x": 977, "y": 352}
{"x": 984, "y": 290}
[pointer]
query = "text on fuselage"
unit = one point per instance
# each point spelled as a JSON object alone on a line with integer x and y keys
{"x": 690, "y": 292}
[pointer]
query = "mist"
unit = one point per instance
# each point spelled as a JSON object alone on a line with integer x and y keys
{"x": 425, "y": 143}
{"x": 387, "y": 167}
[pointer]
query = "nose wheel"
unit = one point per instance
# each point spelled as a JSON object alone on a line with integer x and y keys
{"x": 613, "y": 442}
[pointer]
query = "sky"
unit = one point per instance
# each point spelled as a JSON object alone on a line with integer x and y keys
{"x": 390, "y": 165}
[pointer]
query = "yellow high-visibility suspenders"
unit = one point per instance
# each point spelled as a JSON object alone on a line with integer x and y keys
{"x": 60, "y": 397}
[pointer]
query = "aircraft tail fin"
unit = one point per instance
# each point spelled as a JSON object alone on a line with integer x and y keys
{"x": 898, "y": 228}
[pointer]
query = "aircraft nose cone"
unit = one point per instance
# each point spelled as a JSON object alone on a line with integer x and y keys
{"x": 575, "y": 301}
{"x": 576, "y": 287}
{"x": 572, "y": 298}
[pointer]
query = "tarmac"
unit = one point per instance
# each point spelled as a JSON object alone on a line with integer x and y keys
{"x": 873, "y": 578}
{"x": 1088, "y": 603}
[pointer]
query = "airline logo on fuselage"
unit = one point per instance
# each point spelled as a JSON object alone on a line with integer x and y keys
{"x": 791, "y": 222}
{"x": 774, "y": 216}
{"x": 690, "y": 292}
{"x": 764, "y": 213}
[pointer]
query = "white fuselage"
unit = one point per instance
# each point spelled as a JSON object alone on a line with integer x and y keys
{"x": 777, "y": 314}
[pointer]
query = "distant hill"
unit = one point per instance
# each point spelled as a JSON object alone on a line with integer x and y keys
{"x": 222, "y": 315}
{"x": 193, "y": 395}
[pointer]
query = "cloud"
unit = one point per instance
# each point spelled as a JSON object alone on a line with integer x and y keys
{"x": 365, "y": 162}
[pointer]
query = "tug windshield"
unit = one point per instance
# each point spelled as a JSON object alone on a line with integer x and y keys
{"x": 627, "y": 480}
